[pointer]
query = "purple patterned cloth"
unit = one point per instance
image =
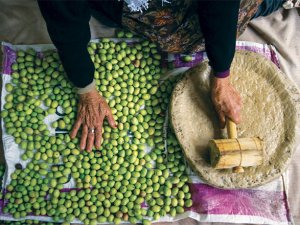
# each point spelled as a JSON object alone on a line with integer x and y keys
{"x": 265, "y": 50}
{"x": 197, "y": 57}
{"x": 267, "y": 204}
{"x": 9, "y": 57}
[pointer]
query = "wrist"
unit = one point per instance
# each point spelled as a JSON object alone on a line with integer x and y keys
{"x": 89, "y": 88}
{"x": 222, "y": 74}
{"x": 220, "y": 82}
{"x": 90, "y": 97}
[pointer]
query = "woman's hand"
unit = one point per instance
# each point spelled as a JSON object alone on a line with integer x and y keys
{"x": 226, "y": 99}
{"x": 92, "y": 110}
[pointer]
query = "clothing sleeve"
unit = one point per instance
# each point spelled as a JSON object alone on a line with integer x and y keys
{"x": 68, "y": 27}
{"x": 218, "y": 21}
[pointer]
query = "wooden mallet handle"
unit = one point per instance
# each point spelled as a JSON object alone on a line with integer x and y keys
{"x": 231, "y": 129}
{"x": 232, "y": 134}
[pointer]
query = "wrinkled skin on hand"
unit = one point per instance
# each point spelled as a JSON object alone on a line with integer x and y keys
{"x": 226, "y": 99}
{"x": 92, "y": 110}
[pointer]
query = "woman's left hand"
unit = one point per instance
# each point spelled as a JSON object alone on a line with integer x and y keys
{"x": 226, "y": 99}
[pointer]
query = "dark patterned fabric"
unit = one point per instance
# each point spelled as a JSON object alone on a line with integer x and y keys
{"x": 175, "y": 27}
{"x": 267, "y": 7}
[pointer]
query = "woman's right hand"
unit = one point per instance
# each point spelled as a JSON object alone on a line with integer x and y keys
{"x": 92, "y": 110}
{"x": 227, "y": 100}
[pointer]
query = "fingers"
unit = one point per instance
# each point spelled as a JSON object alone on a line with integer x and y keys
{"x": 92, "y": 116}
{"x": 235, "y": 116}
{"x": 222, "y": 119}
{"x": 234, "y": 113}
{"x": 235, "y": 119}
{"x": 110, "y": 119}
{"x": 75, "y": 128}
{"x": 98, "y": 136}
{"x": 90, "y": 141}
{"x": 84, "y": 135}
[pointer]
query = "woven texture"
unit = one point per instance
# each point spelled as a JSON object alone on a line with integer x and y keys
{"x": 271, "y": 112}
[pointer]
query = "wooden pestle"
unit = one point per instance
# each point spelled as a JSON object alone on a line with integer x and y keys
{"x": 232, "y": 134}
{"x": 235, "y": 153}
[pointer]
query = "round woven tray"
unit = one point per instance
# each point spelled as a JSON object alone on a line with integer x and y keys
{"x": 270, "y": 111}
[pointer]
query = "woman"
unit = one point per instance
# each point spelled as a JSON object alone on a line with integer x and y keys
{"x": 176, "y": 26}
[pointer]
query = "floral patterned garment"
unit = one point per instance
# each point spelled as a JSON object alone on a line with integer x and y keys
{"x": 175, "y": 26}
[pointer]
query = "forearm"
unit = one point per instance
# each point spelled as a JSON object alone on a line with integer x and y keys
{"x": 218, "y": 20}
{"x": 68, "y": 27}
{"x": 77, "y": 63}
